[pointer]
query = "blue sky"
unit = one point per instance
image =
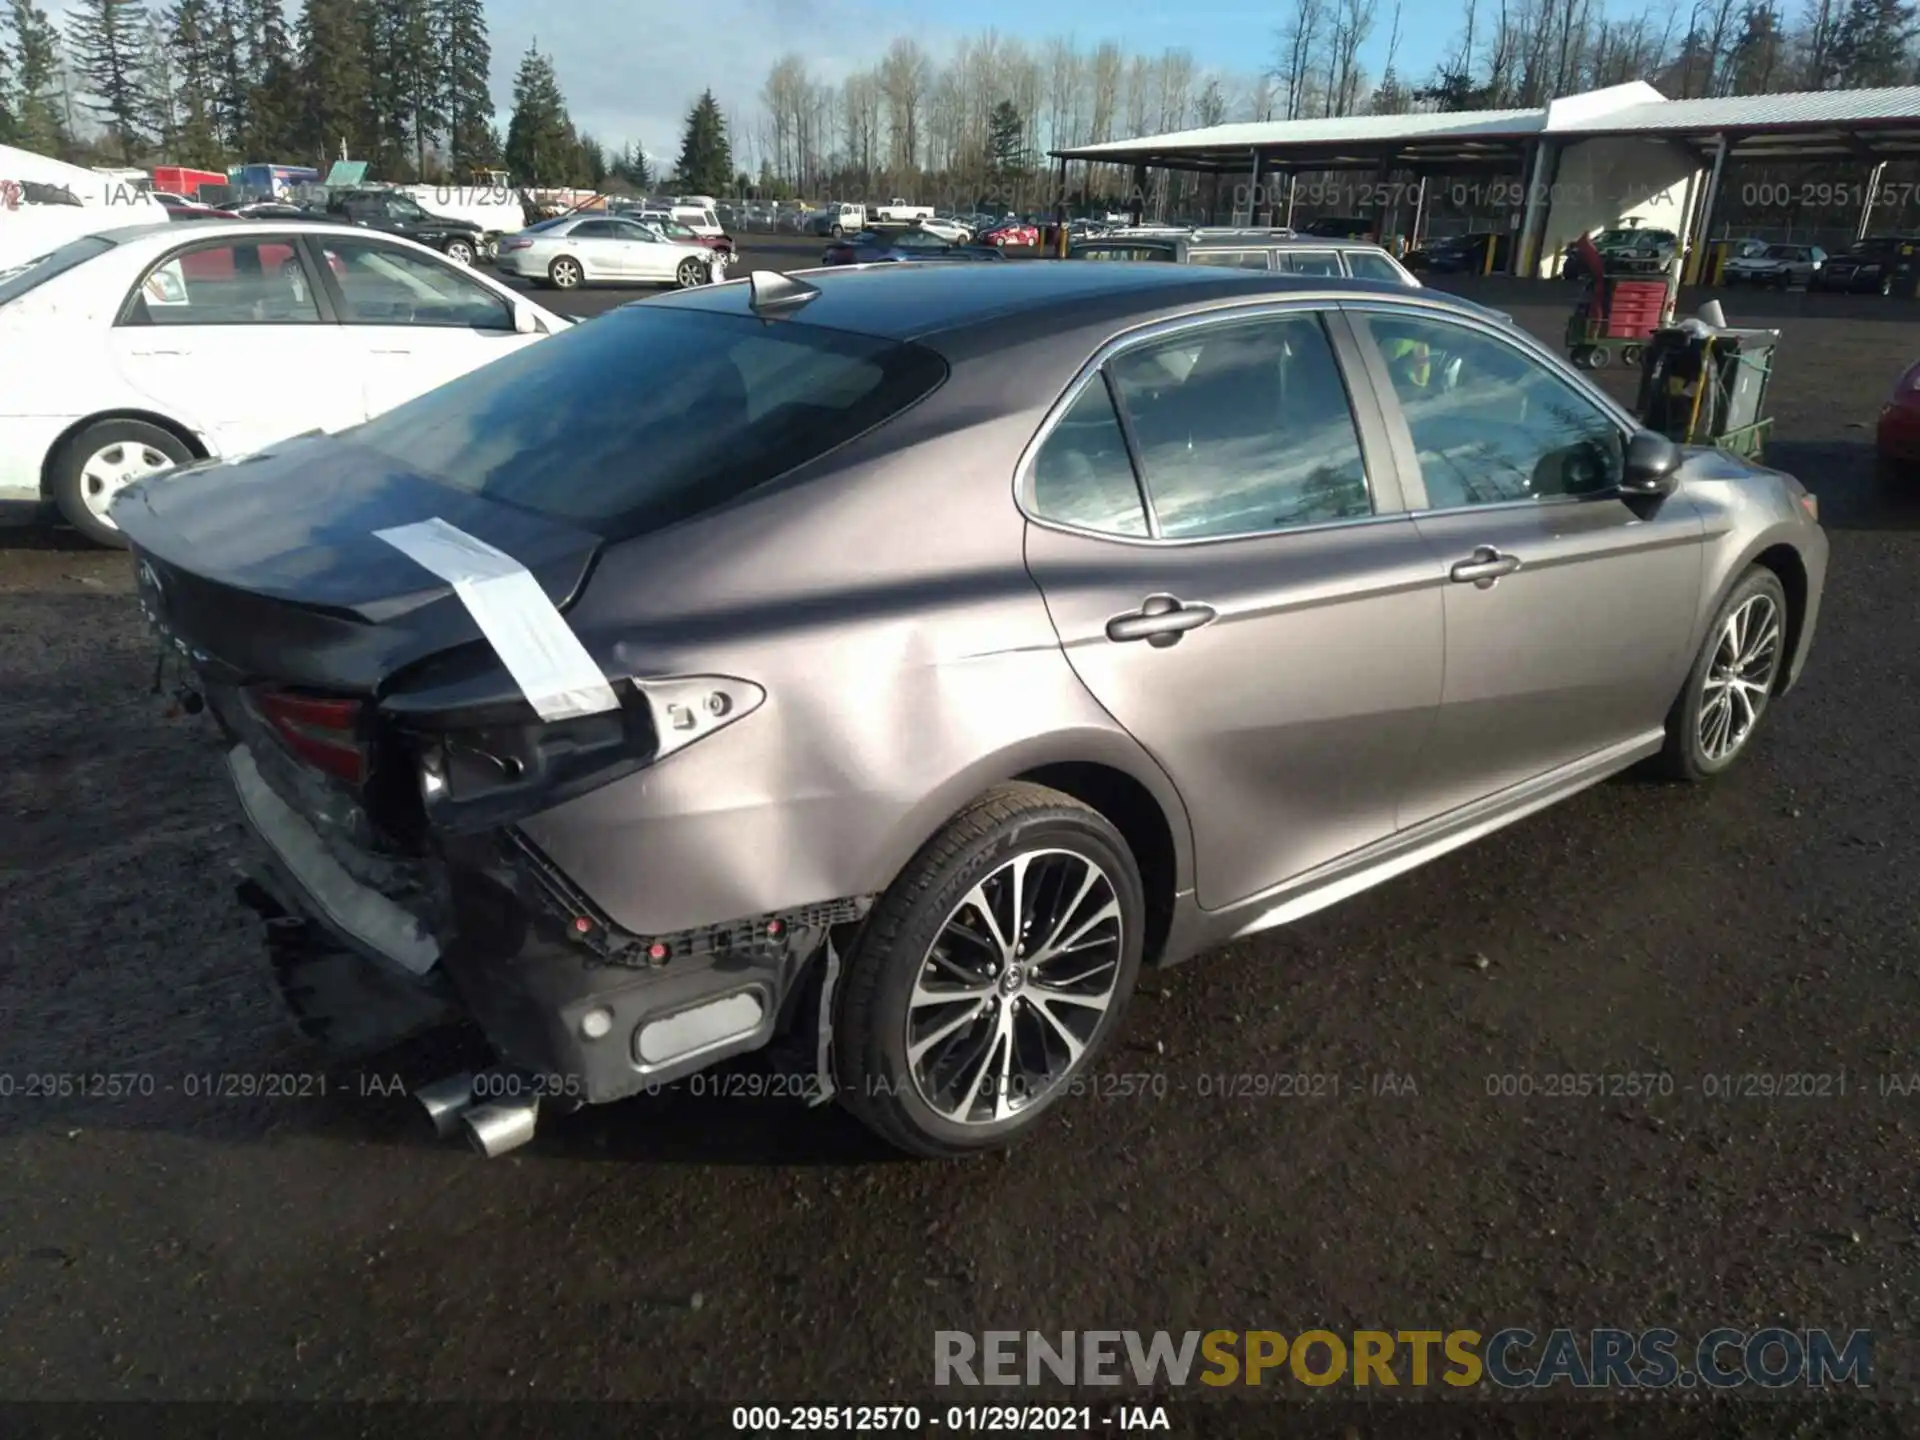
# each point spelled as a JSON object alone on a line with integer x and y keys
{"x": 630, "y": 73}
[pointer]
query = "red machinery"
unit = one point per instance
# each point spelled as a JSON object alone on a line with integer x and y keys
{"x": 1619, "y": 315}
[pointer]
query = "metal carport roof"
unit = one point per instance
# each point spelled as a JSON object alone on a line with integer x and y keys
{"x": 1859, "y": 124}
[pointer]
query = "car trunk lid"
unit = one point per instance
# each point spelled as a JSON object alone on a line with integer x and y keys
{"x": 271, "y": 567}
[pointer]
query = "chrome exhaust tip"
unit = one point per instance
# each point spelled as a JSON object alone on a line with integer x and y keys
{"x": 500, "y": 1125}
{"x": 445, "y": 1101}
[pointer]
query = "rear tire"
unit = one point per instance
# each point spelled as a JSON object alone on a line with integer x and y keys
{"x": 565, "y": 273}
{"x": 978, "y": 1072}
{"x": 1728, "y": 690}
{"x": 101, "y": 460}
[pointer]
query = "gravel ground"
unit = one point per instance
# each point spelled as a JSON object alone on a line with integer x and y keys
{"x": 182, "y": 1244}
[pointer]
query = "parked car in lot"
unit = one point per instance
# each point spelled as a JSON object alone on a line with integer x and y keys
{"x": 948, "y": 227}
{"x": 1460, "y": 254}
{"x": 1249, "y": 250}
{"x": 871, "y": 247}
{"x": 1778, "y": 266}
{"x": 397, "y": 214}
{"x": 1897, "y": 436}
{"x": 1872, "y": 266}
{"x": 164, "y": 344}
{"x": 577, "y": 250}
{"x": 1008, "y": 232}
{"x": 837, "y": 220}
{"x": 627, "y": 762}
{"x": 1626, "y": 248}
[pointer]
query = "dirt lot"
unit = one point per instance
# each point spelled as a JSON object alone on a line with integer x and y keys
{"x": 181, "y": 1242}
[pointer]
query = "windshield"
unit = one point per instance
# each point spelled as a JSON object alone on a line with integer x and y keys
{"x": 17, "y": 280}
{"x": 651, "y": 414}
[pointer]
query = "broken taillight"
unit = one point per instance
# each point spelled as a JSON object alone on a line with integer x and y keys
{"x": 322, "y": 731}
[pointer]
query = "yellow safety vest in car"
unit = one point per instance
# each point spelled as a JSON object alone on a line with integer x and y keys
{"x": 1412, "y": 359}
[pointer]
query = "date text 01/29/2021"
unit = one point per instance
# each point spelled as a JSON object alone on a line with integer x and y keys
{"x": 956, "y": 1419}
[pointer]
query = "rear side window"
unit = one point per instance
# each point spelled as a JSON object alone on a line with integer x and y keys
{"x": 1082, "y": 475}
{"x": 1230, "y": 259}
{"x": 652, "y": 414}
{"x": 1244, "y": 429}
{"x": 1368, "y": 265}
{"x": 226, "y": 283}
{"x": 1310, "y": 262}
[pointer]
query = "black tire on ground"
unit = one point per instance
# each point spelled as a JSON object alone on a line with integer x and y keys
{"x": 873, "y": 1071}
{"x": 70, "y": 486}
{"x": 460, "y": 252}
{"x": 1684, "y": 757}
{"x": 565, "y": 273}
{"x": 1598, "y": 358}
{"x": 1630, "y": 355}
{"x": 692, "y": 272}
{"x": 1582, "y": 357}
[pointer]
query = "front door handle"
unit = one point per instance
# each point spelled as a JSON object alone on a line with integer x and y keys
{"x": 1160, "y": 621}
{"x": 1486, "y": 566}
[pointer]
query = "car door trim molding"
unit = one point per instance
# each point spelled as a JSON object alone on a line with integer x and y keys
{"x": 1410, "y": 849}
{"x": 1375, "y": 439}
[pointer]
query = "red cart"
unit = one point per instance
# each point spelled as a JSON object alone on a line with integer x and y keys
{"x": 1619, "y": 315}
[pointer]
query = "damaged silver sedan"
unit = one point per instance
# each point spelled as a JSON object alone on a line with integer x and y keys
{"x": 888, "y": 663}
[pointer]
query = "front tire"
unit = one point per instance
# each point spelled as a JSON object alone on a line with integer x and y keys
{"x": 1718, "y": 712}
{"x": 101, "y": 461}
{"x": 460, "y": 252}
{"x": 692, "y": 272}
{"x": 991, "y": 975}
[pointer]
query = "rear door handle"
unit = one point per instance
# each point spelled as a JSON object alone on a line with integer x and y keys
{"x": 1160, "y": 621}
{"x": 1486, "y": 566}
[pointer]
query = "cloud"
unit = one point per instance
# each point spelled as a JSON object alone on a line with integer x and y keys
{"x": 628, "y": 78}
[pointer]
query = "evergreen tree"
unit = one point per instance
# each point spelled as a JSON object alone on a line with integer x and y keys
{"x": 406, "y": 59}
{"x": 1870, "y": 43}
{"x": 334, "y": 81}
{"x": 706, "y": 157}
{"x": 39, "y": 111}
{"x": 196, "y": 141}
{"x": 272, "y": 126}
{"x": 158, "y": 118}
{"x": 465, "y": 102}
{"x": 1006, "y": 140}
{"x": 109, "y": 39}
{"x": 541, "y": 148}
{"x": 592, "y": 169}
{"x": 226, "y": 34}
{"x": 9, "y": 122}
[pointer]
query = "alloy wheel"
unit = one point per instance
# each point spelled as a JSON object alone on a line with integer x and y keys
{"x": 1014, "y": 987}
{"x": 114, "y": 467}
{"x": 692, "y": 273}
{"x": 460, "y": 253}
{"x": 1739, "y": 678}
{"x": 565, "y": 274}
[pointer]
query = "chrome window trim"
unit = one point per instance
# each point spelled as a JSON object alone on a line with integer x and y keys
{"x": 1228, "y": 312}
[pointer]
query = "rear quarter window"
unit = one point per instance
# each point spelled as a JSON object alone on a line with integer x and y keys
{"x": 651, "y": 415}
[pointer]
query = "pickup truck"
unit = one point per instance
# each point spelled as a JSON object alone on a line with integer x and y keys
{"x": 397, "y": 214}
{"x": 898, "y": 212}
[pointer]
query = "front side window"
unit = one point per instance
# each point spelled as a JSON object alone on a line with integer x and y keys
{"x": 1490, "y": 423}
{"x": 244, "y": 282}
{"x": 380, "y": 285}
{"x": 1243, "y": 429}
{"x": 651, "y": 414}
{"x": 1230, "y": 259}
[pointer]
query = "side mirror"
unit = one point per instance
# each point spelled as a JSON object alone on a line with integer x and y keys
{"x": 1652, "y": 464}
{"x": 525, "y": 322}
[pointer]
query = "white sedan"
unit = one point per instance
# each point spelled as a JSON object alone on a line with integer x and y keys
{"x": 576, "y": 250}
{"x": 150, "y": 347}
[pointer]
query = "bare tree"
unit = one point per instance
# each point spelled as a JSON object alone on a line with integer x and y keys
{"x": 904, "y": 77}
{"x": 1300, "y": 43}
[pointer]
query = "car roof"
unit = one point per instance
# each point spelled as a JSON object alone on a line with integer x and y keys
{"x": 909, "y": 302}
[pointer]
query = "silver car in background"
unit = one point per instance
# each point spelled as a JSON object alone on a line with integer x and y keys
{"x": 595, "y": 249}
{"x": 891, "y": 662}
{"x": 1780, "y": 266}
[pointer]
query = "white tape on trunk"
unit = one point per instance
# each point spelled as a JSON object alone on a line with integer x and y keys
{"x": 525, "y": 628}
